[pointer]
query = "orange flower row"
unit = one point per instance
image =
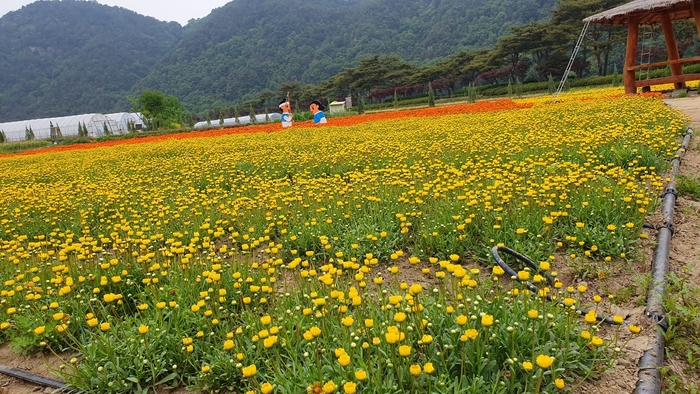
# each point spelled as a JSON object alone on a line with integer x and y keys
{"x": 481, "y": 106}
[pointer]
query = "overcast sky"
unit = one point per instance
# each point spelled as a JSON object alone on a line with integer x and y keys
{"x": 166, "y": 10}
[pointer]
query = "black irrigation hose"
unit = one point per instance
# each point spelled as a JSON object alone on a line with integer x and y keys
{"x": 36, "y": 379}
{"x": 649, "y": 376}
{"x": 532, "y": 287}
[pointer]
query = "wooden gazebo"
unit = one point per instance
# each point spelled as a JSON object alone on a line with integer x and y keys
{"x": 649, "y": 12}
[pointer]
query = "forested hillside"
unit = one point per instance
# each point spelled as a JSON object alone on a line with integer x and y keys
{"x": 69, "y": 57}
{"x": 249, "y": 45}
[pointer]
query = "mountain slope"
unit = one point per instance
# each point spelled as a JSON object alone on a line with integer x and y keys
{"x": 68, "y": 57}
{"x": 249, "y": 45}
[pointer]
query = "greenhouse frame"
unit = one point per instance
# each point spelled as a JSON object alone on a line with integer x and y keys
{"x": 49, "y": 128}
{"x": 122, "y": 119}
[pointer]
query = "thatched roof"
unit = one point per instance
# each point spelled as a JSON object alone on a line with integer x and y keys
{"x": 648, "y": 11}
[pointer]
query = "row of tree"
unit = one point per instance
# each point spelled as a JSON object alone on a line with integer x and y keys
{"x": 535, "y": 51}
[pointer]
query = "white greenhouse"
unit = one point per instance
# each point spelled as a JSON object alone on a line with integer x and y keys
{"x": 122, "y": 119}
{"x": 67, "y": 125}
{"x": 232, "y": 121}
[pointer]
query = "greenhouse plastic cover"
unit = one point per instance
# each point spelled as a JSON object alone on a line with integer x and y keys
{"x": 16, "y": 131}
{"x": 232, "y": 121}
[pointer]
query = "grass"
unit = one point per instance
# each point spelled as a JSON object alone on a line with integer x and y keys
{"x": 689, "y": 186}
{"x": 683, "y": 336}
{"x": 20, "y": 146}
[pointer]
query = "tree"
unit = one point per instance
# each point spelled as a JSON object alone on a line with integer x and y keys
{"x": 360, "y": 104}
{"x": 472, "y": 93}
{"x": 431, "y": 95}
{"x": 105, "y": 128}
{"x": 28, "y": 133}
{"x": 396, "y": 99}
{"x": 58, "y": 131}
{"x": 160, "y": 110}
{"x": 221, "y": 118}
{"x": 253, "y": 120}
{"x": 551, "y": 86}
{"x": 235, "y": 115}
{"x": 3, "y": 137}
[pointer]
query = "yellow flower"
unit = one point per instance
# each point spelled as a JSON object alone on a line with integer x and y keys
{"x": 4, "y": 325}
{"x": 143, "y": 329}
{"x": 92, "y": 322}
{"x": 415, "y": 369}
{"x": 344, "y": 360}
{"x": 596, "y": 341}
{"x": 315, "y": 331}
{"x": 461, "y": 320}
{"x": 532, "y": 314}
{"x": 426, "y": 339}
{"x": 415, "y": 289}
{"x": 249, "y": 371}
{"x": 469, "y": 334}
{"x": 544, "y": 265}
{"x": 612, "y": 227}
{"x": 634, "y": 329}
{"x": 39, "y": 330}
{"x": 585, "y": 335}
{"x": 228, "y": 345}
{"x": 329, "y": 387}
{"x": 400, "y": 317}
{"x": 347, "y": 321}
{"x": 350, "y": 388}
{"x": 266, "y": 388}
{"x": 590, "y": 317}
{"x": 428, "y": 368}
{"x": 559, "y": 383}
{"x": 186, "y": 341}
{"x": 206, "y": 368}
{"x": 523, "y": 275}
{"x": 360, "y": 374}
{"x": 105, "y": 326}
{"x": 58, "y": 316}
{"x": 544, "y": 361}
{"x": 404, "y": 351}
{"x": 369, "y": 323}
{"x": 265, "y": 320}
{"x": 618, "y": 319}
{"x": 527, "y": 365}
{"x": 568, "y": 301}
{"x": 487, "y": 320}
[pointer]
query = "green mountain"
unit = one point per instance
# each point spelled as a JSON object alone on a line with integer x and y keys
{"x": 249, "y": 45}
{"x": 70, "y": 57}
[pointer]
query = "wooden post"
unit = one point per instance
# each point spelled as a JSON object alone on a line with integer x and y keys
{"x": 696, "y": 15}
{"x": 672, "y": 48}
{"x": 631, "y": 54}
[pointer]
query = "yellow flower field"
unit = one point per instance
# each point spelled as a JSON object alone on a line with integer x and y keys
{"x": 270, "y": 262}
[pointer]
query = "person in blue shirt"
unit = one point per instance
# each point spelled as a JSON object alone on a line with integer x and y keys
{"x": 316, "y": 109}
{"x": 287, "y": 116}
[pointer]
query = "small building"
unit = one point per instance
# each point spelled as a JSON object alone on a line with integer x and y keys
{"x": 336, "y": 106}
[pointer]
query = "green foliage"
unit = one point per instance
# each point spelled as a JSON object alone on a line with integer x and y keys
{"x": 509, "y": 89}
{"x": 160, "y": 110}
{"x": 471, "y": 93}
{"x": 67, "y": 57}
{"x": 360, "y": 104}
{"x": 105, "y": 129}
{"x": 28, "y": 133}
{"x": 21, "y": 146}
{"x": 258, "y": 52}
{"x": 396, "y": 100}
{"x": 689, "y": 186}
{"x": 431, "y": 95}
{"x": 551, "y": 86}
{"x": 617, "y": 79}
{"x": 58, "y": 131}
{"x": 682, "y": 304}
{"x": 518, "y": 87}
{"x": 251, "y": 113}
{"x": 3, "y": 138}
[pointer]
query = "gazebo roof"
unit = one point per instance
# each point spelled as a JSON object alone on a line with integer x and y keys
{"x": 648, "y": 11}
